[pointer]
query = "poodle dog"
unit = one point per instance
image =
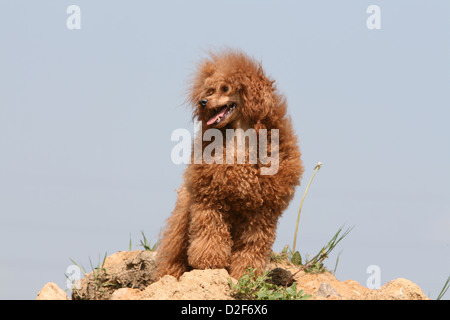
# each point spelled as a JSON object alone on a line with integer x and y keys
{"x": 226, "y": 214}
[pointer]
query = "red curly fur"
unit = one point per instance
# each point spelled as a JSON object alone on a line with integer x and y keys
{"x": 226, "y": 214}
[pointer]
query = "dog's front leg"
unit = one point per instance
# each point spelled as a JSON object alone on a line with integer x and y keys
{"x": 209, "y": 238}
{"x": 253, "y": 237}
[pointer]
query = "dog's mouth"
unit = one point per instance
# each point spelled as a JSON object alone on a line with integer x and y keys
{"x": 222, "y": 114}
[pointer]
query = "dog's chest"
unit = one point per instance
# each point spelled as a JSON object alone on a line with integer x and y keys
{"x": 240, "y": 148}
{"x": 224, "y": 181}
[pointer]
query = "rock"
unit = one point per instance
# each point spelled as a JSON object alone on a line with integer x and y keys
{"x": 51, "y": 291}
{"x": 126, "y": 294}
{"x": 326, "y": 290}
{"x": 192, "y": 285}
{"x": 313, "y": 284}
{"x": 124, "y": 269}
{"x": 401, "y": 289}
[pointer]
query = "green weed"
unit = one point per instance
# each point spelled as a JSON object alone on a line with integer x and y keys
{"x": 250, "y": 287}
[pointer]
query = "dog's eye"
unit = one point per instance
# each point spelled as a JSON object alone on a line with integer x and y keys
{"x": 209, "y": 92}
{"x": 225, "y": 89}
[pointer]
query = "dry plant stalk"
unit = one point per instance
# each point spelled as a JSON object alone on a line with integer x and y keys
{"x": 316, "y": 168}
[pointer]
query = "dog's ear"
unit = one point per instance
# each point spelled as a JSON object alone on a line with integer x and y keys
{"x": 257, "y": 95}
{"x": 204, "y": 70}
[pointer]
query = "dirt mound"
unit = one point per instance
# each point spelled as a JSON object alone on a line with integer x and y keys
{"x": 129, "y": 276}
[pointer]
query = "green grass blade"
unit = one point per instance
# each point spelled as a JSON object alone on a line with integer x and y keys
{"x": 337, "y": 261}
{"x": 104, "y": 259}
{"x": 80, "y": 267}
{"x": 444, "y": 289}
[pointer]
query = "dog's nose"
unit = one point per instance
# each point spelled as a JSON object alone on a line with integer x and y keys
{"x": 203, "y": 103}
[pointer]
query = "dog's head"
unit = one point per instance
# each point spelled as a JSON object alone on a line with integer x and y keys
{"x": 230, "y": 86}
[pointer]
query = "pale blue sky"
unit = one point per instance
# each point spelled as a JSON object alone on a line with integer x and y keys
{"x": 86, "y": 118}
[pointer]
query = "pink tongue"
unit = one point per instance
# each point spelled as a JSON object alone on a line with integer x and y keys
{"x": 219, "y": 114}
